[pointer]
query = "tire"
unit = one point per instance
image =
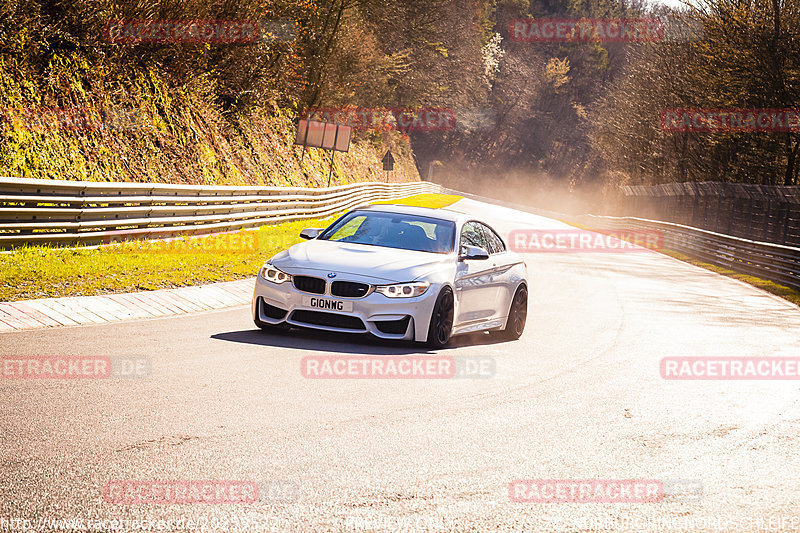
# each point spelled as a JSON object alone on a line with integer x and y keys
{"x": 517, "y": 316}
{"x": 441, "y": 326}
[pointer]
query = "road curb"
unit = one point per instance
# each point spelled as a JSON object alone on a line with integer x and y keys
{"x": 83, "y": 310}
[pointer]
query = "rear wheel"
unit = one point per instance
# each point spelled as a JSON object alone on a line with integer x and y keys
{"x": 441, "y": 326}
{"x": 517, "y": 315}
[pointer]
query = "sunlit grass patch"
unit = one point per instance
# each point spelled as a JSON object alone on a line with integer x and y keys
{"x": 425, "y": 200}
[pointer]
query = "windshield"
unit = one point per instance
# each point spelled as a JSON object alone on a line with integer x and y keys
{"x": 393, "y": 230}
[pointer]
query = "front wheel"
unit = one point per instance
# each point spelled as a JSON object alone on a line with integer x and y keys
{"x": 441, "y": 326}
{"x": 517, "y": 315}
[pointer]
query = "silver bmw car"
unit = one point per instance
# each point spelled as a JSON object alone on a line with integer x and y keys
{"x": 396, "y": 272}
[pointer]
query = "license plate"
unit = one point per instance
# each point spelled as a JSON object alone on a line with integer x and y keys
{"x": 328, "y": 304}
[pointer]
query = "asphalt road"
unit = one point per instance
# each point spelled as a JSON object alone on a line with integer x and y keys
{"x": 579, "y": 396}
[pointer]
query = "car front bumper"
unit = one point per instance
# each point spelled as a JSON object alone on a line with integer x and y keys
{"x": 383, "y": 317}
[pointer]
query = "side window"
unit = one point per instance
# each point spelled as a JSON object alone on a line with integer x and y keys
{"x": 496, "y": 245}
{"x": 472, "y": 235}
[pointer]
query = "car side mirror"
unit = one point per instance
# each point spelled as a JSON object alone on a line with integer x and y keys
{"x": 473, "y": 252}
{"x": 310, "y": 233}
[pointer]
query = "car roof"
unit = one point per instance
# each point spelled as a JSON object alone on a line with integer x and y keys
{"x": 431, "y": 212}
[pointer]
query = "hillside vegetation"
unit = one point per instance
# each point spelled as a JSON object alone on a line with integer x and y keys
{"x": 74, "y": 105}
{"x": 564, "y": 116}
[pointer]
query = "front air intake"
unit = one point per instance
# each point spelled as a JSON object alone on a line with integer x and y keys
{"x": 330, "y": 320}
{"x": 393, "y": 327}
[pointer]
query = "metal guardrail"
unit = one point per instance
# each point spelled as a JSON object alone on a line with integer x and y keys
{"x": 774, "y": 262}
{"x": 34, "y": 211}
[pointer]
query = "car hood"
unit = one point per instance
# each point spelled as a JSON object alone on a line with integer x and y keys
{"x": 378, "y": 262}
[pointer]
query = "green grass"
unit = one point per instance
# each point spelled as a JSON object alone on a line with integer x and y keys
{"x": 43, "y": 271}
{"x": 425, "y": 200}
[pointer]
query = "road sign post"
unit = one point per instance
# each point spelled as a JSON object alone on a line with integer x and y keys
{"x": 315, "y": 134}
{"x": 388, "y": 163}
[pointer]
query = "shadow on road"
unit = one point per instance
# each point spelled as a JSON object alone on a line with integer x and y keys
{"x": 318, "y": 341}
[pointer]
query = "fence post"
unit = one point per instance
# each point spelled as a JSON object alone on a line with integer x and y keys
{"x": 732, "y": 215}
{"x": 766, "y": 232}
{"x": 786, "y": 216}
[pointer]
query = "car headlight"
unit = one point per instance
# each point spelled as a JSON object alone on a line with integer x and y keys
{"x": 270, "y": 273}
{"x": 403, "y": 290}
